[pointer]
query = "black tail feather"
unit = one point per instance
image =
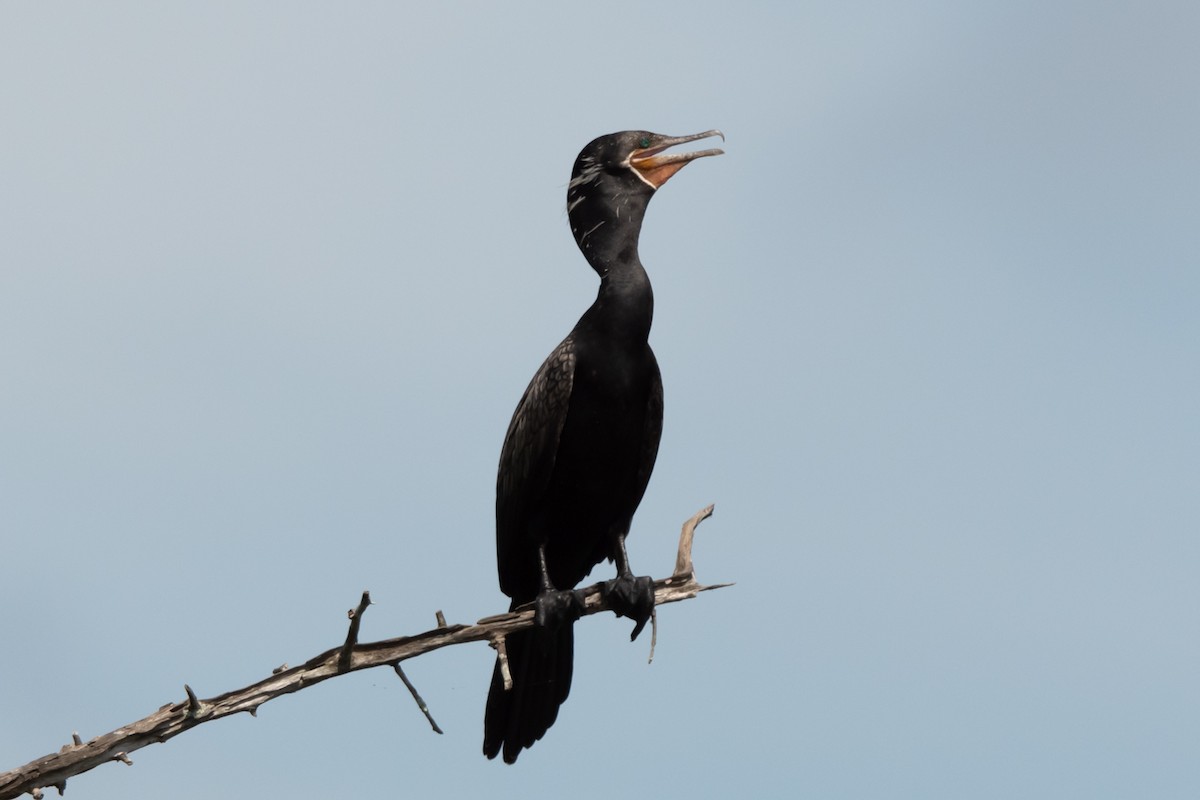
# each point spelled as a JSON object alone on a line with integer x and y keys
{"x": 540, "y": 661}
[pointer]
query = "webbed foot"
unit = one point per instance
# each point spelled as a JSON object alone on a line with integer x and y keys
{"x": 631, "y": 597}
{"x": 553, "y": 609}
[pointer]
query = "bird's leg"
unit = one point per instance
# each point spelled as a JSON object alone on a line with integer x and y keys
{"x": 629, "y": 596}
{"x": 553, "y": 608}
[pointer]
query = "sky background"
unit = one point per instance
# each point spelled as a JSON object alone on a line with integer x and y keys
{"x": 274, "y": 275}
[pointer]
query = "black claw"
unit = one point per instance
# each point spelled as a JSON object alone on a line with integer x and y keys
{"x": 631, "y": 597}
{"x": 638, "y": 629}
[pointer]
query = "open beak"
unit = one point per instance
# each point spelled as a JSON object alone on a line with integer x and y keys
{"x": 656, "y": 168}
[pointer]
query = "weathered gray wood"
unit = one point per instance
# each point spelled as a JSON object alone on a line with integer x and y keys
{"x": 173, "y": 719}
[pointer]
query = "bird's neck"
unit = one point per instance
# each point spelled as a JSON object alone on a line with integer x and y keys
{"x": 624, "y": 307}
{"x": 606, "y": 216}
{"x": 607, "y": 234}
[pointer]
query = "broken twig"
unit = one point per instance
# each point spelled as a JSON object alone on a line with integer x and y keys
{"x": 416, "y": 696}
{"x": 355, "y": 615}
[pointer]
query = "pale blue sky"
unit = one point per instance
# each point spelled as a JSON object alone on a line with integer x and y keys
{"x": 274, "y": 275}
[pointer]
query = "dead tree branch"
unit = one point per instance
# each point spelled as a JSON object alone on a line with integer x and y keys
{"x": 174, "y": 718}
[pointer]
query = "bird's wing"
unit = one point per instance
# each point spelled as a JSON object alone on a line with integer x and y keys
{"x": 527, "y": 460}
{"x": 652, "y": 432}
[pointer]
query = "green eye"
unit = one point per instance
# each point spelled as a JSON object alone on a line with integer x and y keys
{"x": 645, "y": 141}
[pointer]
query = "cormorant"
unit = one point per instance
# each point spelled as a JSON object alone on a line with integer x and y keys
{"x": 582, "y": 441}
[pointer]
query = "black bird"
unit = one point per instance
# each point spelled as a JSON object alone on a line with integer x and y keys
{"x": 582, "y": 441}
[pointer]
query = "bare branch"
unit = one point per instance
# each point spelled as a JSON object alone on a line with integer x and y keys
{"x": 498, "y": 642}
{"x": 355, "y": 615}
{"x": 194, "y": 706}
{"x": 173, "y": 719}
{"x": 653, "y": 634}
{"x": 416, "y": 696}
{"x": 683, "y": 560}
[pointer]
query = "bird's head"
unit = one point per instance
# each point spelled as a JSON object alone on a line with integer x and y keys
{"x": 615, "y": 176}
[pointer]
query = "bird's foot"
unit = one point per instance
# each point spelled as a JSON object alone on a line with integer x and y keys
{"x": 631, "y": 597}
{"x": 553, "y": 609}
